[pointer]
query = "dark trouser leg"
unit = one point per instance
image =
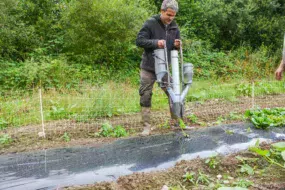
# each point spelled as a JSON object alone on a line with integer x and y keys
{"x": 147, "y": 80}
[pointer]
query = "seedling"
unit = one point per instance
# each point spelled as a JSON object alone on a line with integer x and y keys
{"x": 193, "y": 118}
{"x": 276, "y": 155}
{"x": 243, "y": 183}
{"x": 245, "y": 168}
{"x": 107, "y": 130}
{"x": 203, "y": 179}
{"x": 229, "y": 132}
{"x": 65, "y": 137}
{"x": 120, "y": 131}
{"x": 3, "y": 124}
{"x": 190, "y": 177}
{"x": 212, "y": 162}
{"x": 5, "y": 139}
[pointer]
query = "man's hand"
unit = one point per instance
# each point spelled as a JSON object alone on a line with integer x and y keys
{"x": 177, "y": 43}
{"x": 279, "y": 71}
{"x": 161, "y": 43}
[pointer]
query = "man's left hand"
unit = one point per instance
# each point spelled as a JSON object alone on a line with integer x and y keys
{"x": 177, "y": 43}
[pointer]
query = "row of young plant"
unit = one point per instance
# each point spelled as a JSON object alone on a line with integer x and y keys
{"x": 261, "y": 118}
{"x": 106, "y": 130}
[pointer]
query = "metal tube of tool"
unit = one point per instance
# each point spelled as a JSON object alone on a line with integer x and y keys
{"x": 167, "y": 66}
{"x": 175, "y": 72}
{"x": 283, "y": 53}
{"x": 182, "y": 64}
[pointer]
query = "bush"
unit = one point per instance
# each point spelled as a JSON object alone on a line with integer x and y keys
{"x": 101, "y": 30}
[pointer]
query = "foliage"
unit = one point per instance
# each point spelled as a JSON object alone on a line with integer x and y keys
{"x": 120, "y": 131}
{"x": 190, "y": 177}
{"x": 5, "y": 139}
{"x": 243, "y": 183}
{"x": 102, "y": 30}
{"x": 27, "y": 25}
{"x": 3, "y": 124}
{"x": 66, "y": 137}
{"x": 265, "y": 118}
{"x": 203, "y": 179}
{"x": 107, "y": 130}
{"x": 232, "y": 188}
{"x": 275, "y": 155}
{"x": 245, "y": 168}
{"x": 212, "y": 162}
{"x": 230, "y": 23}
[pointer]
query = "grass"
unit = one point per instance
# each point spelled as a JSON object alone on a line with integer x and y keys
{"x": 113, "y": 99}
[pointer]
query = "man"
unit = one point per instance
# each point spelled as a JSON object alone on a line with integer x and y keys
{"x": 158, "y": 31}
{"x": 280, "y": 70}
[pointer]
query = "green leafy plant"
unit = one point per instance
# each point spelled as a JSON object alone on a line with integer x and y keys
{"x": 203, "y": 179}
{"x": 107, "y": 130}
{"x": 265, "y": 118}
{"x": 5, "y": 139}
{"x": 120, "y": 131}
{"x": 66, "y": 137}
{"x": 245, "y": 168}
{"x": 212, "y": 162}
{"x": 190, "y": 177}
{"x": 243, "y": 183}
{"x": 275, "y": 155}
{"x": 3, "y": 124}
{"x": 232, "y": 188}
{"x": 181, "y": 124}
{"x": 193, "y": 118}
{"x": 244, "y": 89}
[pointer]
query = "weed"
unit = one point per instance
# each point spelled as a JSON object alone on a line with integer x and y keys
{"x": 190, "y": 177}
{"x": 107, "y": 130}
{"x": 5, "y": 139}
{"x": 65, "y": 137}
{"x": 248, "y": 130}
{"x": 232, "y": 188}
{"x": 165, "y": 125}
{"x": 181, "y": 124}
{"x": 229, "y": 132}
{"x": 244, "y": 89}
{"x": 243, "y": 183}
{"x": 212, "y": 162}
{"x": 120, "y": 131}
{"x": 193, "y": 118}
{"x": 220, "y": 120}
{"x": 245, "y": 168}
{"x": 3, "y": 124}
{"x": 203, "y": 179}
{"x": 276, "y": 154}
{"x": 235, "y": 116}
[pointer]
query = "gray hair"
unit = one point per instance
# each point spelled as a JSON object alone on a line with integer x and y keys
{"x": 171, "y": 4}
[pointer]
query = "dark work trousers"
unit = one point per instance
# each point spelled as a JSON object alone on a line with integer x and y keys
{"x": 147, "y": 80}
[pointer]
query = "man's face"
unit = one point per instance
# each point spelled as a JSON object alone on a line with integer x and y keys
{"x": 167, "y": 16}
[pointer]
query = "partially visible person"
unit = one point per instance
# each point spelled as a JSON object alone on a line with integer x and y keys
{"x": 279, "y": 71}
{"x": 158, "y": 31}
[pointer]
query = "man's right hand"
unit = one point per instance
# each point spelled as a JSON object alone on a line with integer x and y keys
{"x": 279, "y": 71}
{"x": 161, "y": 43}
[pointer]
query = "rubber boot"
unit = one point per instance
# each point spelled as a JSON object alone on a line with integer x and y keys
{"x": 146, "y": 121}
